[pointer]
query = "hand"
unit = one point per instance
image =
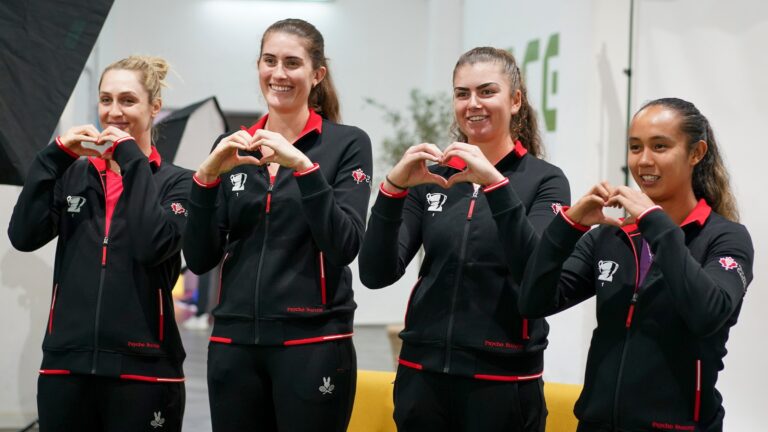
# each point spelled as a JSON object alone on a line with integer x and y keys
{"x": 633, "y": 201}
{"x": 282, "y": 152}
{"x": 412, "y": 170}
{"x": 224, "y": 157}
{"x": 479, "y": 169}
{"x": 73, "y": 138}
{"x": 588, "y": 210}
{"x": 107, "y": 137}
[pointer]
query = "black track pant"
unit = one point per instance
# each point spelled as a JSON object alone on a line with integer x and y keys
{"x": 266, "y": 388}
{"x": 85, "y": 403}
{"x": 427, "y": 401}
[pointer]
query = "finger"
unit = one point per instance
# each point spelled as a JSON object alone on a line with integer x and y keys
{"x": 607, "y": 220}
{"x": 83, "y": 137}
{"x": 436, "y": 179}
{"x": 426, "y": 148}
{"x": 243, "y": 142}
{"x": 421, "y": 156}
{"x": 602, "y": 191}
{"x": 90, "y": 130}
{"x": 460, "y": 177}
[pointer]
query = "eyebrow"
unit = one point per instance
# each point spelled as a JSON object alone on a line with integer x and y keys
{"x": 480, "y": 87}
{"x": 129, "y": 93}
{"x": 655, "y": 137}
{"x": 287, "y": 57}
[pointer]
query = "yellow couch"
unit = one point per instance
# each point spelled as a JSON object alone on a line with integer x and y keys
{"x": 373, "y": 404}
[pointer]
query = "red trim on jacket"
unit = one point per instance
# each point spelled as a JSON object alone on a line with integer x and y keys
{"x": 509, "y": 378}
{"x": 456, "y": 162}
{"x": 699, "y": 215}
{"x": 411, "y": 365}
{"x": 54, "y": 372}
{"x": 493, "y": 186}
{"x": 648, "y": 210}
{"x": 315, "y": 166}
{"x": 578, "y": 226}
{"x": 220, "y": 339}
{"x": 53, "y": 306}
{"x": 162, "y": 315}
{"x": 317, "y": 339}
{"x": 203, "y": 184}
{"x": 519, "y": 150}
{"x": 151, "y": 379}
{"x": 322, "y": 280}
{"x": 389, "y": 194}
{"x": 314, "y": 123}
{"x": 697, "y": 401}
{"x": 65, "y": 149}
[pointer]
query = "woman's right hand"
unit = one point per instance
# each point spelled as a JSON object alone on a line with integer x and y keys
{"x": 73, "y": 138}
{"x": 225, "y": 157}
{"x": 412, "y": 170}
{"x": 588, "y": 210}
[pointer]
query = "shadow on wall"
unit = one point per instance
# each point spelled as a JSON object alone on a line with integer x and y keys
{"x": 28, "y": 276}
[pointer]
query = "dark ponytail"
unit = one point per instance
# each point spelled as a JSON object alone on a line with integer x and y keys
{"x": 523, "y": 125}
{"x": 710, "y": 177}
{"x": 322, "y": 97}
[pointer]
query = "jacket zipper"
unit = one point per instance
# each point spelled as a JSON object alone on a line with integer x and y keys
{"x": 102, "y": 275}
{"x": 460, "y": 267}
{"x": 267, "y": 211}
{"x": 697, "y": 400}
{"x": 53, "y": 307}
{"x": 628, "y": 325}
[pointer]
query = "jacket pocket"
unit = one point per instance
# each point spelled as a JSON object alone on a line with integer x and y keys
{"x": 161, "y": 315}
{"x": 221, "y": 272}
{"x": 410, "y": 297}
{"x": 323, "y": 293}
{"x": 697, "y": 393}
{"x": 53, "y": 308}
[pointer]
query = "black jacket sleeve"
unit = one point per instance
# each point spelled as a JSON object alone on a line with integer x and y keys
{"x": 35, "y": 218}
{"x": 559, "y": 273}
{"x": 520, "y": 228}
{"x": 155, "y": 223}
{"x": 335, "y": 207}
{"x": 392, "y": 239}
{"x": 705, "y": 294}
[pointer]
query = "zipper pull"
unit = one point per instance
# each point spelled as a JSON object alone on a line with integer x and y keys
{"x": 631, "y": 309}
{"x": 269, "y": 194}
{"x": 104, "y": 251}
{"x": 472, "y": 202}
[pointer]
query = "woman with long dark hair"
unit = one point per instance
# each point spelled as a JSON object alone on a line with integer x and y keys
{"x": 469, "y": 361}
{"x": 282, "y": 206}
{"x": 669, "y": 279}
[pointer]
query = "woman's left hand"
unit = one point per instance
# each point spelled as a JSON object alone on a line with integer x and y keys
{"x": 633, "y": 201}
{"x": 107, "y": 137}
{"x": 479, "y": 169}
{"x": 283, "y": 152}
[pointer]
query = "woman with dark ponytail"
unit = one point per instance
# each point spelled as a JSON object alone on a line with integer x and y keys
{"x": 469, "y": 361}
{"x": 669, "y": 279}
{"x": 281, "y": 206}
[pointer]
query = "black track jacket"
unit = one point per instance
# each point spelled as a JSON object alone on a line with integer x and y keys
{"x": 657, "y": 349}
{"x": 111, "y": 307}
{"x": 285, "y": 246}
{"x": 462, "y": 314}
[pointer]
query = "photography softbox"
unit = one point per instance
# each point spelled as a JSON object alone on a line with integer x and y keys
{"x": 43, "y": 48}
{"x": 186, "y": 135}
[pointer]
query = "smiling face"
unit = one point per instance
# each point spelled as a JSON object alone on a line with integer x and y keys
{"x": 124, "y": 103}
{"x": 484, "y": 102}
{"x": 659, "y": 154}
{"x": 286, "y": 73}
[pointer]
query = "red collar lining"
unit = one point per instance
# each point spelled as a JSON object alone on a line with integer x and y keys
{"x": 314, "y": 123}
{"x": 101, "y": 164}
{"x": 699, "y": 215}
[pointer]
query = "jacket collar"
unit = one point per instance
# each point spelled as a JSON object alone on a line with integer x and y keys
{"x": 698, "y": 215}
{"x": 154, "y": 158}
{"x": 314, "y": 123}
{"x": 516, "y": 153}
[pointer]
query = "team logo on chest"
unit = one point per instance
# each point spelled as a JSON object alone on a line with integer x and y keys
{"x": 238, "y": 181}
{"x": 75, "y": 203}
{"x": 607, "y": 270}
{"x": 436, "y": 201}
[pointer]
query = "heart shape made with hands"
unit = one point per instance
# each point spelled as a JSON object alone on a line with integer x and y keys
{"x": 101, "y": 143}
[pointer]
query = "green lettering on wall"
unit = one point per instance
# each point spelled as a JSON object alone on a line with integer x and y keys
{"x": 531, "y": 55}
{"x": 553, "y": 50}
